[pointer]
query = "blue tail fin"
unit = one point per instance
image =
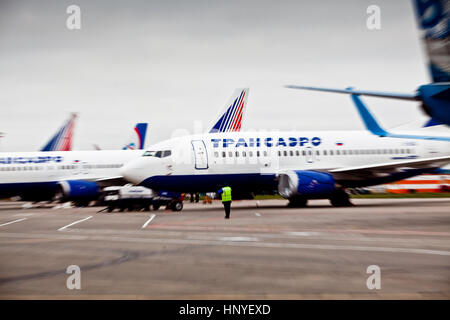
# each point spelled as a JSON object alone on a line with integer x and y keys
{"x": 434, "y": 21}
{"x": 137, "y": 140}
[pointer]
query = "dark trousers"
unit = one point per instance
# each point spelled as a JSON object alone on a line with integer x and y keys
{"x": 227, "y": 206}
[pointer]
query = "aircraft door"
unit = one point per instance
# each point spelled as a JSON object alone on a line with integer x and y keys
{"x": 200, "y": 154}
{"x": 310, "y": 156}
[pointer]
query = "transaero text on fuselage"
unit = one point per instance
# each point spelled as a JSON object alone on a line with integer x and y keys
{"x": 267, "y": 142}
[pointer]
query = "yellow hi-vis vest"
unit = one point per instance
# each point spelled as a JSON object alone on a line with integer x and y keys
{"x": 226, "y": 194}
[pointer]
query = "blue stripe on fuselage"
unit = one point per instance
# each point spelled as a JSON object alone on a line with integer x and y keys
{"x": 212, "y": 182}
{"x": 27, "y": 189}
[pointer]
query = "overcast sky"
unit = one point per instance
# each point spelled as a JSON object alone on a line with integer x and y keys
{"x": 172, "y": 63}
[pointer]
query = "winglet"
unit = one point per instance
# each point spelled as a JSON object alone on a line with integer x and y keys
{"x": 368, "y": 119}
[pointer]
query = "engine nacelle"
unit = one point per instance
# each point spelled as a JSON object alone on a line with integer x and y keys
{"x": 310, "y": 184}
{"x": 78, "y": 190}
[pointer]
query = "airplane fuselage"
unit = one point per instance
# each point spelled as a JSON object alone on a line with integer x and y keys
{"x": 254, "y": 160}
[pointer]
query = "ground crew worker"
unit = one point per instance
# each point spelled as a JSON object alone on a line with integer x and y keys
{"x": 226, "y": 200}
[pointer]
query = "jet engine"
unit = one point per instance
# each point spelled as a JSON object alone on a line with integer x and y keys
{"x": 78, "y": 191}
{"x": 308, "y": 184}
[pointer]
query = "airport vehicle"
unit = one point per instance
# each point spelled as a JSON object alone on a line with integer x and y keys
{"x": 79, "y": 176}
{"x": 127, "y": 197}
{"x": 172, "y": 200}
{"x": 299, "y": 165}
{"x": 434, "y": 21}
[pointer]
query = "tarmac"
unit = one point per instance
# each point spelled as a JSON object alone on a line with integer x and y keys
{"x": 265, "y": 251}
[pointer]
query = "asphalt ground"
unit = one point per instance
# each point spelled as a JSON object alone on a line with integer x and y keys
{"x": 265, "y": 251}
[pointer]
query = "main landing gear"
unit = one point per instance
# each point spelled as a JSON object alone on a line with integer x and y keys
{"x": 297, "y": 202}
{"x": 340, "y": 198}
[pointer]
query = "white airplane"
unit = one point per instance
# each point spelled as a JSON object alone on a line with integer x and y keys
{"x": 299, "y": 165}
{"x": 79, "y": 175}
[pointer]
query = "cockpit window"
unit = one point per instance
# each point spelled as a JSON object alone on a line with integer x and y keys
{"x": 158, "y": 154}
{"x": 149, "y": 154}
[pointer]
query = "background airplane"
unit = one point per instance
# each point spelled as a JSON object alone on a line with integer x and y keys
{"x": 434, "y": 21}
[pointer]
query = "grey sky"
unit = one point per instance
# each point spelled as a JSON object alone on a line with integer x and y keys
{"x": 172, "y": 63}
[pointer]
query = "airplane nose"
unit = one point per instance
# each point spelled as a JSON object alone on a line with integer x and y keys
{"x": 133, "y": 172}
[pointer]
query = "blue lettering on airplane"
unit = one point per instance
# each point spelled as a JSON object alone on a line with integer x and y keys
{"x": 268, "y": 142}
{"x": 22, "y": 160}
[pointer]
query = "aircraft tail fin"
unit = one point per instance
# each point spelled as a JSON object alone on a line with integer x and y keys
{"x": 230, "y": 119}
{"x": 434, "y": 22}
{"x": 137, "y": 139}
{"x": 62, "y": 140}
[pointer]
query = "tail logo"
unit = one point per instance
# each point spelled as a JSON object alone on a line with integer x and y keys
{"x": 232, "y": 119}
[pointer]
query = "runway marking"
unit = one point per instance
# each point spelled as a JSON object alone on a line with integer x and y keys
{"x": 273, "y": 228}
{"x": 18, "y": 220}
{"x": 257, "y": 214}
{"x": 78, "y": 221}
{"x": 237, "y": 239}
{"x": 23, "y": 214}
{"x": 148, "y": 221}
{"x": 259, "y": 244}
{"x": 303, "y": 234}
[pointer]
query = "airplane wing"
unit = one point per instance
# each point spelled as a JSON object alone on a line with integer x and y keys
{"x": 388, "y": 169}
{"x": 102, "y": 182}
{"x": 415, "y": 96}
{"x": 111, "y": 181}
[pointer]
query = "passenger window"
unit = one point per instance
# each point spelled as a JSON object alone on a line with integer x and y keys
{"x": 265, "y": 153}
{"x": 331, "y": 152}
{"x": 224, "y": 154}
{"x": 237, "y": 154}
{"x": 297, "y": 153}
{"x": 337, "y": 152}
{"x": 318, "y": 152}
{"x": 291, "y": 153}
{"x": 243, "y": 153}
{"x": 250, "y": 153}
{"x": 230, "y": 154}
{"x": 257, "y": 153}
{"x": 285, "y": 153}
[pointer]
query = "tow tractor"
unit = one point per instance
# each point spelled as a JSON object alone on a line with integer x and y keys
{"x": 172, "y": 200}
{"x": 140, "y": 198}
